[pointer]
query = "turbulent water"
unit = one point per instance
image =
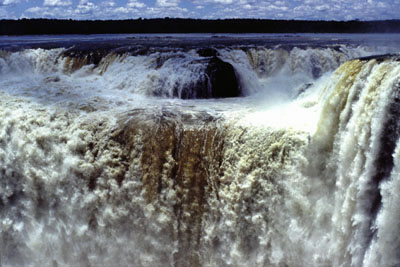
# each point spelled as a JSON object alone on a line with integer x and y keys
{"x": 198, "y": 150}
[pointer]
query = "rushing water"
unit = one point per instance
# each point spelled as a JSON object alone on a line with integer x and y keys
{"x": 114, "y": 151}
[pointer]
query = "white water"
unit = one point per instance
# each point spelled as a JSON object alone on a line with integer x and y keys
{"x": 121, "y": 78}
{"x": 96, "y": 171}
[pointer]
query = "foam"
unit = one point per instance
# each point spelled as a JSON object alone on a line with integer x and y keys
{"x": 95, "y": 171}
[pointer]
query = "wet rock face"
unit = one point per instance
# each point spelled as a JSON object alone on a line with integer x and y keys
{"x": 381, "y": 58}
{"x": 88, "y": 57}
{"x": 179, "y": 173}
{"x": 207, "y": 52}
{"x": 192, "y": 78}
{"x": 219, "y": 81}
{"x": 222, "y": 78}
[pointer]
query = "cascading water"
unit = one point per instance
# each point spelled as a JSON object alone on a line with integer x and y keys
{"x": 101, "y": 163}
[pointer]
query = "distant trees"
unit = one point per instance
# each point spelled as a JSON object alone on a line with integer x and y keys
{"x": 176, "y": 25}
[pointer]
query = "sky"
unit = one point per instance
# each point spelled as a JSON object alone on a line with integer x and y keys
{"x": 206, "y": 9}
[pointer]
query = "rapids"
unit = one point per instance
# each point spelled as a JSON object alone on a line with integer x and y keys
{"x": 102, "y": 163}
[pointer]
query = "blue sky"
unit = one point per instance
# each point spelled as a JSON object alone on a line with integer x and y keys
{"x": 213, "y": 9}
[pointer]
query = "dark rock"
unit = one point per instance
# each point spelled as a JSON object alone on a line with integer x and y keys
{"x": 316, "y": 69}
{"x": 222, "y": 79}
{"x": 218, "y": 81}
{"x": 381, "y": 58}
{"x": 303, "y": 88}
{"x": 52, "y": 79}
{"x": 207, "y": 52}
{"x": 90, "y": 57}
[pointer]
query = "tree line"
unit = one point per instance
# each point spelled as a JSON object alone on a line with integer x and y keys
{"x": 177, "y": 25}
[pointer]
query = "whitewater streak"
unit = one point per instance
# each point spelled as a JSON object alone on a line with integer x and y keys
{"x": 93, "y": 172}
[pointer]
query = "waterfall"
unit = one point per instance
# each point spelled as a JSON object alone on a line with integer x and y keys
{"x": 102, "y": 164}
